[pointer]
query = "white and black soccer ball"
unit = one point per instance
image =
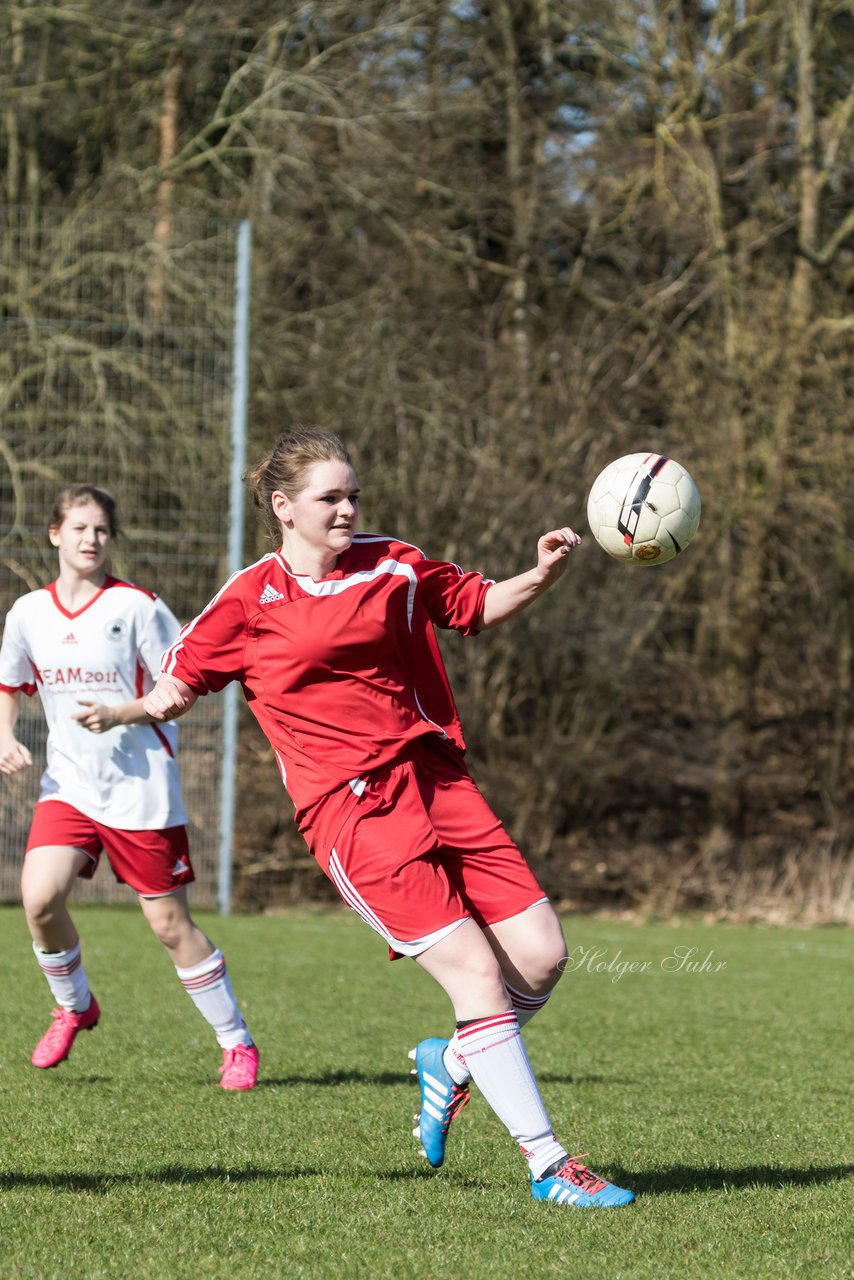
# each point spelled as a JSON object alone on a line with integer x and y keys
{"x": 644, "y": 508}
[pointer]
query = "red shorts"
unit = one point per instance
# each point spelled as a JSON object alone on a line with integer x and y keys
{"x": 421, "y": 851}
{"x": 153, "y": 863}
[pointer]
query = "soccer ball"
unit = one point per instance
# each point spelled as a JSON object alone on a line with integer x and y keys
{"x": 643, "y": 508}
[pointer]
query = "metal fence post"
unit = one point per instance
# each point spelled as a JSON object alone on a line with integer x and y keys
{"x": 239, "y": 400}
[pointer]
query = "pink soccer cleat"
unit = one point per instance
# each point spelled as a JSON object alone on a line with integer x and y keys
{"x": 239, "y": 1068}
{"x": 55, "y": 1045}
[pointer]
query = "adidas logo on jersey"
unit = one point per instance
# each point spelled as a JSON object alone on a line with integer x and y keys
{"x": 70, "y": 638}
{"x": 180, "y": 867}
{"x": 270, "y": 595}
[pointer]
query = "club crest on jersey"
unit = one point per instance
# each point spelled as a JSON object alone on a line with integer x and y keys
{"x": 270, "y": 595}
{"x": 116, "y": 630}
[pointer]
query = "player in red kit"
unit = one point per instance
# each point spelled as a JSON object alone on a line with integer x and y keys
{"x": 332, "y": 638}
{"x": 91, "y": 646}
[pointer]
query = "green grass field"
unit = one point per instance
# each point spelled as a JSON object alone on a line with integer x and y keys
{"x": 721, "y": 1095}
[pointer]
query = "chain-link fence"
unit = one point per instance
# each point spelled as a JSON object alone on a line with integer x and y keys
{"x": 115, "y": 369}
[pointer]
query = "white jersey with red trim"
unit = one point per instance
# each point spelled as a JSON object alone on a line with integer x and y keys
{"x": 342, "y": 673}
{"x": 109, "y": 651}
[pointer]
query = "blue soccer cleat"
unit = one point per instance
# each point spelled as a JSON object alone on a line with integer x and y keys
{"x": 572, "y": 1183}
{"x": 442, "y": 1099}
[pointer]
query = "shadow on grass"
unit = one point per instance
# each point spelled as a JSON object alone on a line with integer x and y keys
{"x": 178, "y": 1174}
{"x": 681, "y": 1178}
{"x": 181, "y": 1175}
{"x": 687, "y": 1179}
{"x": 327, "y": 1078}
{"x": 324, "y": 1078}
{"x": 423, "y": 1174}
{"x": 59, "y": 1081}
{"x": 549, "y": 1077}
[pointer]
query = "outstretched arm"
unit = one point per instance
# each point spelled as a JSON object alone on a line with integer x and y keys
{"x": 169, "y": 699}
{"x": 504, "y": 599}
{"x": 99, "y": 717}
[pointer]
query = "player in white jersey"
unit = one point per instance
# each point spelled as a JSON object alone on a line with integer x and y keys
{"x": 91, "y": 646}
{"x": 332, "y": 638}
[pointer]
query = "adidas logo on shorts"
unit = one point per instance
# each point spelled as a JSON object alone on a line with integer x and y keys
{"x": 270, "y": 595}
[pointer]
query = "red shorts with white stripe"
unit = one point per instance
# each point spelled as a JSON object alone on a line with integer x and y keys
{"x": 153, "y": 863}
{"x": 421, "y": 851}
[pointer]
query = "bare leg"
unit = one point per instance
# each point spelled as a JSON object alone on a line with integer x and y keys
{"x": 46, "y": 881}
{"x": 530, "y": 949}
{"x": 486, "y": 1045}
{"x": 466, "y": 968}
{"x": 203, "y": 973}
{"x": 169, "y": 917}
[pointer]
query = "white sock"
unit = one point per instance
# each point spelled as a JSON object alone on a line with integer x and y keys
{"x": 209, "y": 987}
{"x": 66, "y": 977}
{"x": 454, "y": 1065}
{"x": 526, "y": 1007}
{"x": 493, "y": 1051}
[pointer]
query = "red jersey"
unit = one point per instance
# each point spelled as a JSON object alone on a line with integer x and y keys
{"x": 343, "y": 673}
